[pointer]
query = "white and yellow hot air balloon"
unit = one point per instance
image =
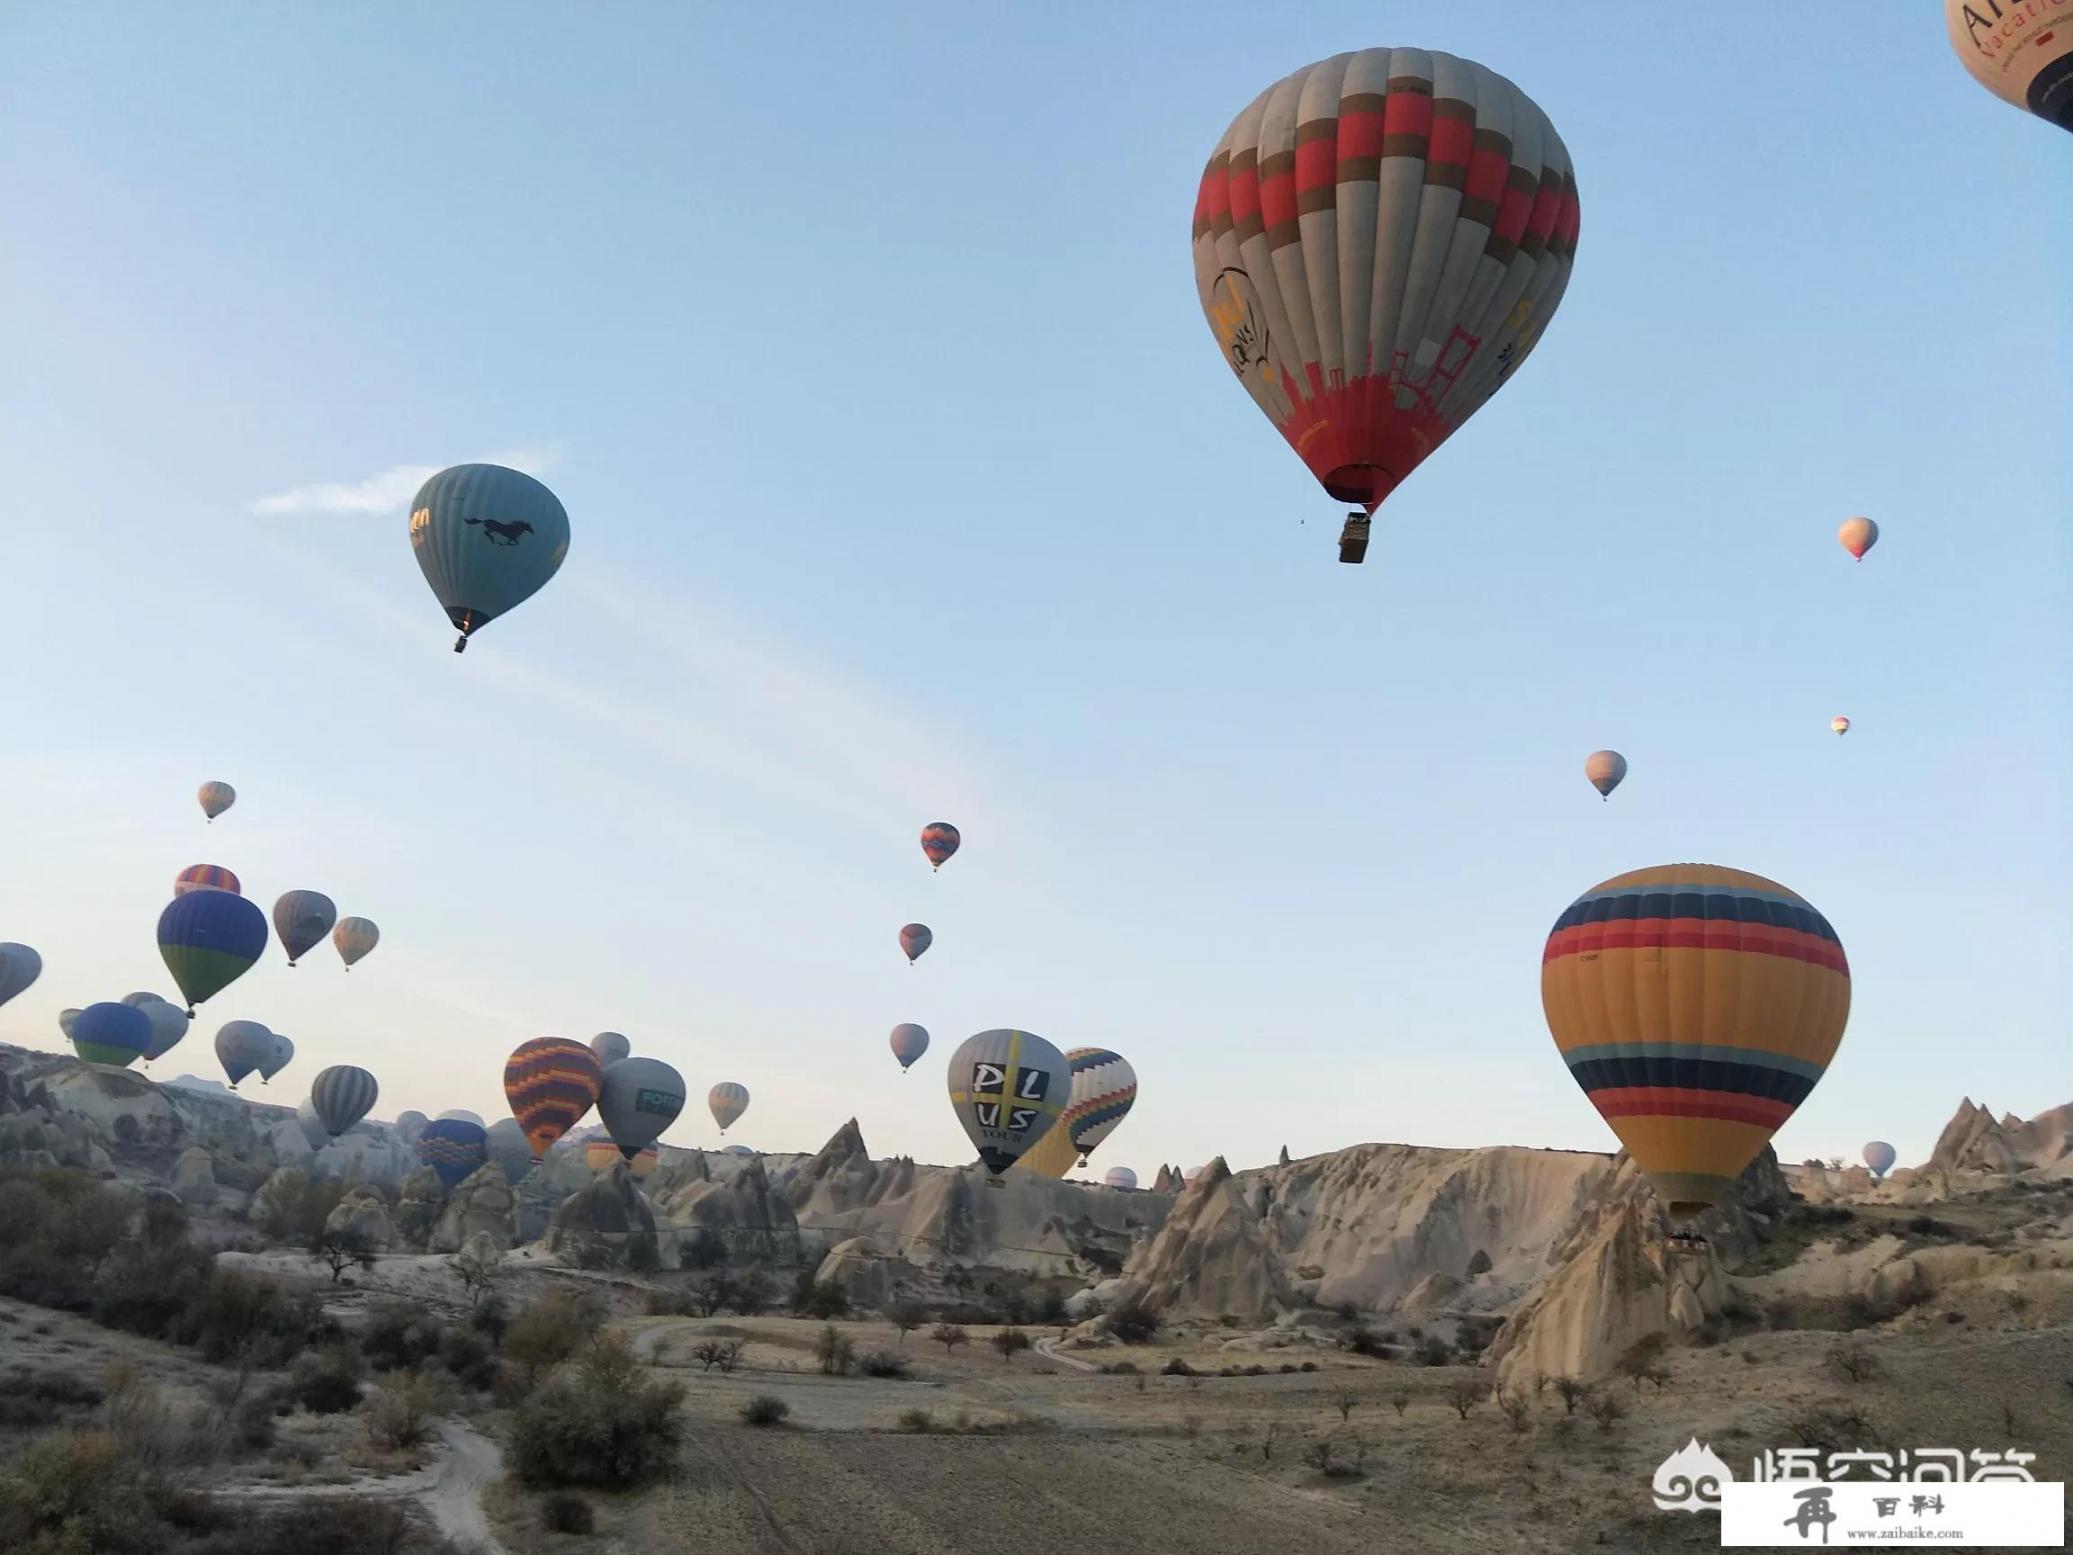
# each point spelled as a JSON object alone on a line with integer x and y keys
{"x": 2020, "y": 50}
{"x": 1008, "y": 1088}
{"x": 727, "y": 1102}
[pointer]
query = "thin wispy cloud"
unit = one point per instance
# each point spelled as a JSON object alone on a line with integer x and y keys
{"x": 388, "y": 491}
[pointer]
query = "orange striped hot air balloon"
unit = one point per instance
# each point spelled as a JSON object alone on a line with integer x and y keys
{"x": 599, "y": 1153}
{"x": 1697, "y": 1007}
{"x": 939, "y": 839}
{"x": 551, "y": 1083}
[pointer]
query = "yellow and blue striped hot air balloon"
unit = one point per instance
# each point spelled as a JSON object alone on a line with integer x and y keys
{"x": 1697, "y": 1006}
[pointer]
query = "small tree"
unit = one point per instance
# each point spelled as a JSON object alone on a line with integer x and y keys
{"x": 723, "y": 1353}
{"x": 1608, "y": 1409}
{"x": 836, "y": 1351}
{"x": 1399, "y": 1400}
{"x": 948, "y": 1335}
{"x": 1465, "y": 1394}
{"x": 402, "y": 1414}
{"x": 1854, "y": 1362}
{"x": 1008, "y": 1341}
{"x": 1515, "y": 1410}
{"x": 1133, "y": 1324}
{"x": 1343, "y": 1401}
{"x": 341, "y": 1250}
{"x": 712, "y": 1293}
{"x": 1268, "y": 1433}
{"x": 1319, "y": 1453}
{"x": 906, "y": 1316}
{"x": 752, "y": 1294}
{"x": 703, "y": 1249}
{"x": 1572, "y": 1391}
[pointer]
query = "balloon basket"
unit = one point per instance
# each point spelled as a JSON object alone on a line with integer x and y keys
{"x": 460, "y": 644}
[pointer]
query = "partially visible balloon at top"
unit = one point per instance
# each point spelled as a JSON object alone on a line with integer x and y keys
{"x": 939, "y": 839}
{"x": 1857, "y": 535}
{"x": 1380, "y": 239}
{"x": 610, "y": 1047}
{"x": 215, "y": 798}
{"x": 1605, "y": 770}
{"x": 206, "y": 877}
{"x": 19, "y": 967}
{"x": 2018, "y": 52}
{"x": 487, "y": 539}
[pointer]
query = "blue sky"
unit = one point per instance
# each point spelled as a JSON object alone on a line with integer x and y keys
{"x": 906, "y": 483}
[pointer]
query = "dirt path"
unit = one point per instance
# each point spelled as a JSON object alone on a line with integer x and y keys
{"x": 1048, "y": 1349}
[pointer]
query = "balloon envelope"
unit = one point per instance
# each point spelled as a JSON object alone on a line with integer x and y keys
{"x": 341, "y": 1096}
{"x": 205, "y": 877}
{"x": 1605, "y": 769}
{"x": 1008, "y": 1088}
{"x": 610, "y": 1047}
{"x": 1839, "y": 725}
{"x": 1379, "y": 240}
{"x": 551, "y": 1083}
{"x": 909, "y": 1042}
{"x": 1857, "y": 536}
{"x": 1120, "y": 1177}
{"x": 241, "y": 1047}
{"x": 111, "y": 1033}
{"x": 486, "y": 538}
{"x": 209, "y": 939}
{"x": 464, "y": 1115}
{"x": 1104, "y": 1088}
{"x": 454, "y": 1148}
{"x": 301, "y": 920}
{"x": 410, "y": 1123}
{"x": 354, "y": 937}
{"x": 599, "y": 1154}
{"x": 914, "y": 939}
{"x": 727, "y": 1102}
{"x": 1696, "y": 1006}
{"x": 640, "y": 1098}
{"x": 67, "y": 1019}
{"x": 510, "y": 1149}
{"x": 280, "y": 1052}
{"x": 2023, "y": 54}
{"x": 19, "y": 967}
{"x": 1880, "y": 1156}
{"x": 215, "y": 798}
{"x": 939, "y": 839}
{"x": 168, "y": 1022}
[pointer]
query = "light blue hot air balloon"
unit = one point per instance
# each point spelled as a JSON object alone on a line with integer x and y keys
{"x": 280, "y": 1053}
{"x": 1880, "y": 1156}
{"x": 241, "y": 1047}
{"x": 509, "y": 1148}
{"x": 19, "y": 967}
{"x": 909, "y": 1042}
{"x": 640, "y": 1098}
{"x": 487, "y": 539}
{"x": 168, "y": 1022}
{"x": 341, "y": 1096}
{"x": 610, "y": 1047}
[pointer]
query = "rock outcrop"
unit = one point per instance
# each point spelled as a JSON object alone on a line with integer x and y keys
{"x": 362, "y": 1214}
{"x": 608, "y": 1214}
{"x": 485, "y": 1206}
{"x": 1214, "y": 1252}
{"x": 1974, "y": 1141}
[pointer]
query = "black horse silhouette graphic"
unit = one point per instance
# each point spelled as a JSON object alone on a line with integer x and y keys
{"x": 499, "y": 533}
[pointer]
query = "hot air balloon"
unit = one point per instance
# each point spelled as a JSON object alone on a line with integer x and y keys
{"x": 215, "y": 798}
{"x": 1696, "y": 1006}
{"x": 301, "y": 920}
{"x": 454, "y": 1148}
{"x": 168, "y": 1022}
{"x": 314, "y": 1133}
{"x": 279, "y": 1055}
{"x": 410, "y": 1123}
{"x": 66, "y": 1020}
{"x": 914, "y": 939}
{"x": 209, "y": 939}
{"x": 551, "y": 1083}
{"x": 727, "y": 1102}
{"x": 462, "y": 1114}
{"x": 487, "y": 539}
{"x": 243, "y": 1046}
{"x": 1008, "y": 1088}
{"x": 1857, "y": 536}
{"x": 640, "y": 1098}
{"x": 510, "y": 1149}
{"x": 19, "y": 967}
{"x": 205, "y": 877}
{"x": 2021, "y": 52}
{"x": 1839, "y": 724}
{"x": 354, "y": 937}
{"x": 1880, "y": 1156}
{"x": 909, "y": 1042}
{"x": 737, "y": 1150}
{"x": 610, "y": 1047}
{"x": 1605, "y": 769}
{"x": 939, "y": 839}
{"x": 1380, "y": 239}
{"x": 1120, "y": 1177}
{"x": 341, "y": 1096}
{"x": 111, "y": 1033}
{"x": 1104, "y": 1088}
{"x": 599, "y": 1154}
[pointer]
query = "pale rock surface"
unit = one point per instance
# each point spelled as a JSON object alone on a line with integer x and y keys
{"x": 194, "y": 1176}
{"x": 609, "y": 1210}
{"x": 483, "y": 1206}
{"x": 362, "y": 1212}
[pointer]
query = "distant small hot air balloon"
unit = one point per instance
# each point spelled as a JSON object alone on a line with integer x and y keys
{"x": 914, "y": 939}
{"x": 610, "y": 1047}
{"x": 455, "y": 1148}
{"x": 939, "y": 839}
{"x": 1008, "y": 1088}
{"x": 640, "y": 1098}
{"x": 111, "y": 1033}
{"x": 1880, "y": 1156}
{"x": 67, "y": 1019}
{"x": 1120, "y": 1177}
{"x": 909, "y": 1042}
{"x": 600, "y": 1153}
{"x": 1605, "y": 769}
{"x": 243, "y": 1046}
{"x": 301, "y": 920}
{"x": 1696, "y": 1006}
{"x": 2021, "y": 52}
{"x": 205, "y": 877}
{"x": 168, "y": 1022}
{"x": 1840, "y": 724}
{"x": 19, "y": 967}
{"x": 215, "y": 798}
{"x": 551, "y": 1083}
{"x": 341, "y": 1096}
{"x": 354, "y": 937}
{"x": 209, "y": 939}
{"x": 727, "y": 1102}
{"x": 280, "y": 1054}
{"x": 1857, "y": 536}
{"x": 487, "y": 539}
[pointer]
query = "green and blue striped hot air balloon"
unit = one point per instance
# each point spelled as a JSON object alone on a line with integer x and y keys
{"x": 209, "y": 939}
{"x": 111, "y": 1033}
